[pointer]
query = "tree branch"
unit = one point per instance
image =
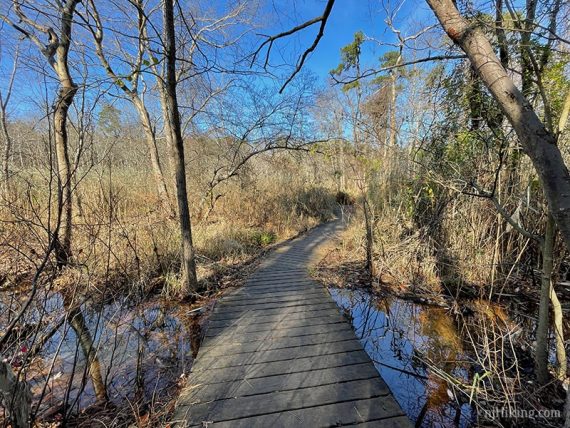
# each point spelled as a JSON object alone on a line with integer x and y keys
{"x": 271, "y": 39}
{"x": 370, "y": 73}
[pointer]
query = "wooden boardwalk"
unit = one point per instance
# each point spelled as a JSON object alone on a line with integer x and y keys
{"x": 277, "y": 353}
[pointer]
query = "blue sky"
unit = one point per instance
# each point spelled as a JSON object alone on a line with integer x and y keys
{"x": 347, "y": 17}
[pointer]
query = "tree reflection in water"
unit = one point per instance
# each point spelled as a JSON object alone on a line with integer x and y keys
{"x": 113, "y": 355}
{"x": 399, "y": 336}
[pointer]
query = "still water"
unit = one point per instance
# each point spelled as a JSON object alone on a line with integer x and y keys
{"x": 405, "y": 339}
{"x": 124, "y": 355}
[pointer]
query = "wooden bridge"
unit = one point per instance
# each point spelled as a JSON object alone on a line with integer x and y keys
{"x": 277, "y": 353}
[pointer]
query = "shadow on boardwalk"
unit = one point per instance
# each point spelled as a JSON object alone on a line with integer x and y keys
{"x": 278, "y": 353}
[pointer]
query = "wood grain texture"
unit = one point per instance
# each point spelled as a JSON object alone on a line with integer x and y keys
{"x": 277, "y": 353}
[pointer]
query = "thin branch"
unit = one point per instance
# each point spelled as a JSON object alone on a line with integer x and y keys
{"x": 271, "y": 39}
{"x": 374, "y": 72}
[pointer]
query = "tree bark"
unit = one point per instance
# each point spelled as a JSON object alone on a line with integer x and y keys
{"x": 393, "y": 100}
{"x": 7, "y": 150}
{"x": 15, "y": 396}
{"x": 541, "y": 352}
{"x": 189, "y": 279}
{"x": 64, "y": 99}
{"x": 500, "y": 32}
{"x": 4, "y": 101}
{"x": 153, "y": 150}
{"x": 538, "y": 143}
{"x": 525, "y": 46}
{"x": 369, "y": 224}
{"x": 65, "y": 201}
{"x": 564, "y": 115}
{"x": 558, "y": 324}
{"x": 567, "y": 406}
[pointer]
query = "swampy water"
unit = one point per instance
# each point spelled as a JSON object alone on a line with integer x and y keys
{"x": 404, "y": 339}
{"x": 131, "y": 355}
{"x": 123, "y": 354}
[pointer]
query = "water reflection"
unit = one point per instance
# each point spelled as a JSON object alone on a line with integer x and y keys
{"x": 400, "y": 337}
{"x": 118, "y": 353}
{"x": 89, "y": 352}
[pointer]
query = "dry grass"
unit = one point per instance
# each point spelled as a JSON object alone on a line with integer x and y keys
{"x": 121, "y": 236}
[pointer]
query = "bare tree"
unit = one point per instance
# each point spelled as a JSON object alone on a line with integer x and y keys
{"x": 56, "y": 51}
{"x": 133, "y": 92}
{"x": 4, "y": 101}
{"x": 172, "y": 117}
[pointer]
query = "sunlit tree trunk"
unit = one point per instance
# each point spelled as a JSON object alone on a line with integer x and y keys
{"x": 541, "y": 353}
{"x": 548, "y": 294}
{"x": 558, "y": 325}
{"x": 393, "y": 108}
{"x": 369, "y": 224}
{"x": 64, "y": 99}
{"x": 150, "y": 135}
{"x": 4, "y": 100}
{"x": 7, "y": 149}
{"x": 172, "y": 117}
{"x": 538, "y": 143}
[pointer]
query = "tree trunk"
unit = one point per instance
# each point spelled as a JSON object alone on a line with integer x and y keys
{"x": 4, "y": 101}
{"x": 538, "y": 143}
{"x": 153, "y": 151}
{"x": 341, "y": 165}
{"x": 189, "y": 279}
{"x": 7, "y": 150}
{"x": 558, "y": 325}
{"x": 15, "y": 397}
{"x": 501, "y": 35}
{"x": 369, "y": 224}
{"x": 541, "y": 352}
{"x": 564, "y": 114}
{"x": 393, "y": 100}
{"x": 64, "y": 99}
{"x": 527, "y": 78}
{"x": 567, "y": 406}
{"x": 65, "y": 202}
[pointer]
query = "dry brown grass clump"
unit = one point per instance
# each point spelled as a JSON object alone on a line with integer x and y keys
{"x": 123, "y": 236}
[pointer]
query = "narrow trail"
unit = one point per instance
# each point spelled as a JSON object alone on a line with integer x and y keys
{"x": 277, "y": 353}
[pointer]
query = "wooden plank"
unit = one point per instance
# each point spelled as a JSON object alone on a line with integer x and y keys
{"x": 270, "y": 319}
{"x": 275, "y": 311}
{"x": 275, "y": 355}
{"x": 224, "y": 338}
{"x": 273, "y": 276}
{"x": 281, "y": 301}
{"x": 279, "y": 287}
{"x": 287, "y": 292}
{"x": 243, "y": 407}
{"x": 276, "y": 282}
{"x": 205, "y": 393}
{"x": 397, "y": 422}
{"x": 278, "y": 353}
{"x": 330, "y": 415}
{"x": 278, "y": 343}
{"x": 280, "y": 324}
{"x": 228, "y": 309}
{"x": 280, "y": 367}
